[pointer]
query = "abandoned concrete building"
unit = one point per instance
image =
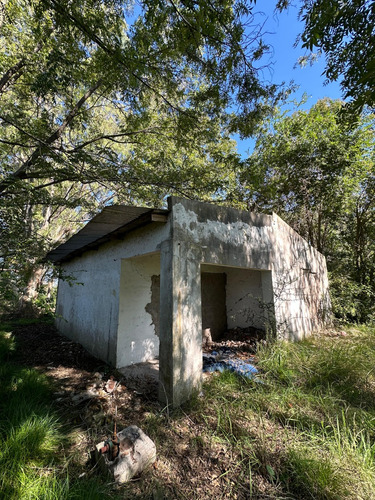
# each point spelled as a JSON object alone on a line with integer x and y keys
{"x": 140, "y": 283}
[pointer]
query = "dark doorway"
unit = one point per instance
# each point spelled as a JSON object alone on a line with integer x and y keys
{"x": 214, "y": 313}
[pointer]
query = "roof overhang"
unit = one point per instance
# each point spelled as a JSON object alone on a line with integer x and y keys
{"x": 112, "y": 223}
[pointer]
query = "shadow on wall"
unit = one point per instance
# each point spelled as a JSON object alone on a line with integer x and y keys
{"x": 302, "y": 303}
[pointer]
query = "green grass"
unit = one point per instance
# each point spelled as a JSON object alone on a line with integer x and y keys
{"x": 309, "y": 427}
{"x": 32, "y": 462}
{"x": 305, "y": 431}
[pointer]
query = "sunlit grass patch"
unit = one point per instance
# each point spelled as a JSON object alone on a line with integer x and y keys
{"x": 309, "y": 427}
{"x": 309, "y": 474}
{"x": 33, "y": 438}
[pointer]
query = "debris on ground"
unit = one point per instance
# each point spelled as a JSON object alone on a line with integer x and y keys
{"x": 110, "y": 385}
{"x": 226, "y": 360}
{"x": 187, "y": 461}
{"x": 242, "y": 341}
{"x": 136, "y": 452}
{"x": 235, "y": 352}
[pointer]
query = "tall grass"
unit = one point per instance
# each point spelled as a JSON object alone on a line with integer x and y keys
{"x": 309, "y": 427}
{"x": 304, "y": 430}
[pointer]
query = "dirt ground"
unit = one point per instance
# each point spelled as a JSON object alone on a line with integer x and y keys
{"x": 188, "y": 466}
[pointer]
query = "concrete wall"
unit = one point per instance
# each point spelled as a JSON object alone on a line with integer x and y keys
{"x": 88, "y": 307}
{"x": 180, "y": 353}
{"x": 273, "y": 278}
{"x": 139, "y": 308}
{"x": 300, "y": 284}
{"x": 223, "y": 235}
{"x": 245, "y": 297}
{"x": 200, "y": 233}
{"x": 288, "y": 275}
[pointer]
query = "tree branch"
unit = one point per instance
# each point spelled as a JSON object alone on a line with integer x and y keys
{"x": 113, "y": 137}
{"x": 15, "y": 71}
{"x": 54, "y": 4}
{"x": 20, "y": 172}
{"x": 11, "y": 72}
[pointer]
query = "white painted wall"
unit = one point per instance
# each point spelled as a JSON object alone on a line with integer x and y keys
{"x": 137, "y": 341}
{"x": 89, "y": 312}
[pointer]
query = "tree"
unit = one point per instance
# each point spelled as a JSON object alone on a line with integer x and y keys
{"x": 98, "y": 100}
{"x": 317, "y": 172}
{"x": 177, "y": 67}
{"x": 345, "y": 33}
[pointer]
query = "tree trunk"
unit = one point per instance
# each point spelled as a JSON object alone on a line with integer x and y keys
{"x": 26, "y": 306}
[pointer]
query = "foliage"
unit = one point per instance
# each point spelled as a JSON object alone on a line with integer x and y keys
{"x": 317, "y": 172}
{"x": 108, "y": 101}
{"x": 104, "y": 93}
{"x": 344, "y": 32}
{"x": 305, "y": 429}
{"x": 28, "y": 226}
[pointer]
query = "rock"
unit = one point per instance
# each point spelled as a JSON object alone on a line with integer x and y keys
{"x": 206, "y": 337}
{"x": 137, "y": 452}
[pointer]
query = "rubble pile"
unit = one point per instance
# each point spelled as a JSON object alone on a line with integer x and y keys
{"x": 235, "y": 352}
{"x": 241, "y": 341}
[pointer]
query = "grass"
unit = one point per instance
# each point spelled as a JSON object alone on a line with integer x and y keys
{"x": 309, "y": 428}
{"x": 33, "y": 438}
{"x": 306, "y": 430}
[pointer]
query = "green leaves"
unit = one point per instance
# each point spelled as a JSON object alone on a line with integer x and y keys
{"x": 345, "y": 32}
{"x": 317, "y": 172}
{"x": 100, "y": 103}
{"x": 187, "y": 60}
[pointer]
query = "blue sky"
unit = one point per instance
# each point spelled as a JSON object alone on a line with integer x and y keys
{"x": 283, "y": 30}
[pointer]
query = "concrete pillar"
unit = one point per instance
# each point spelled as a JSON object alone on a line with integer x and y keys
{"x": 180, "y": 354}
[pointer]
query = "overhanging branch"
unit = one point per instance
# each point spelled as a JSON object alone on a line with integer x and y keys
{"x": 21, "y": 171}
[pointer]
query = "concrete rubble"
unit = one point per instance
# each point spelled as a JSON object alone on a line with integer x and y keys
{"x": 136, "y": 453}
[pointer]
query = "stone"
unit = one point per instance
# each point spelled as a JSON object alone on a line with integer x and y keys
{"x": 206, "y": 337}
{"x": 137, "y": 452}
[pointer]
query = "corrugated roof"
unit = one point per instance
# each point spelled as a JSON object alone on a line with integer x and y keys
{"x": 112, "y": 222}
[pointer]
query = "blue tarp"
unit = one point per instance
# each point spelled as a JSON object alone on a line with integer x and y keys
{"x": 220, "y": 361}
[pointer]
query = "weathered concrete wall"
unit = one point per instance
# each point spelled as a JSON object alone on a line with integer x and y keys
{"x": 137, "y": 339}
{"x": 300, "y": 284}
{"x": 273, "y": 278}
{"x": 180, "y": 322}
{"x": 245, "y": 298}
{"x": 222, "y": 235}
{"x": 89, "y": 312}
{"x": 208, "y": 234}
{"x": 287, "y": 277}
